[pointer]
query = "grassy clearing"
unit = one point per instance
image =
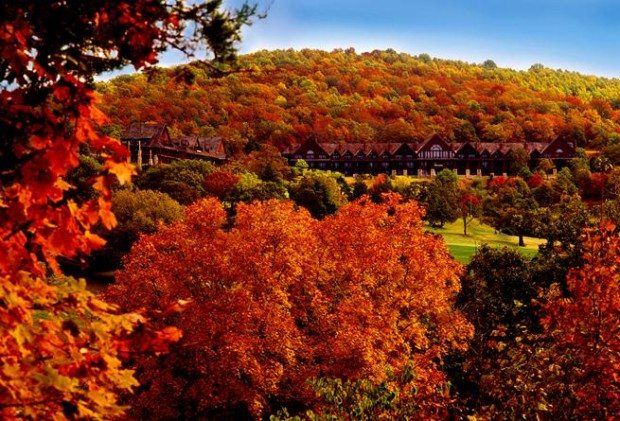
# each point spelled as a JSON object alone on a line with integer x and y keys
{"x": 463, "y": 247}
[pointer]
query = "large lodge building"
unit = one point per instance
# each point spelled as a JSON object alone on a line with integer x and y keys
{"x": 151, "y": 143}
{"x": 427, "y": 157}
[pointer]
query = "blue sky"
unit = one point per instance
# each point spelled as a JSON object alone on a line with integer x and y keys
{"x": 581, "y": 35}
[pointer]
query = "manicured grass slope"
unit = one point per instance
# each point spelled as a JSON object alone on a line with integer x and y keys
{"x": 463, "y": 247}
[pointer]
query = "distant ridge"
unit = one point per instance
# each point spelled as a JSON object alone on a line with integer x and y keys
{"x": 284, "y": 97}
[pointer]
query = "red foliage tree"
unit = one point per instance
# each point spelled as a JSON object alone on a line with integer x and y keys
{"x": 280, "y": 298}
{"x": 598, "y": 181}
{"x": 536, "y": 180}
{"x": 220, "y": 183}
{"x": 469, "y": 206}
{"x": 498, "y": 182}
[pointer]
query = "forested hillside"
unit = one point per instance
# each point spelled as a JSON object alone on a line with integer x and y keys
{"x": 281, "y": 97}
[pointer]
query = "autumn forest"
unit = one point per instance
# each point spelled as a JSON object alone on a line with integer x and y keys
{"x": 237, "y": 283}
{"x": 283, "y": 97}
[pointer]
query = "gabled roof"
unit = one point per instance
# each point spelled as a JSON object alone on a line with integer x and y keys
{"x": 458, "y": 147}
{"x": 329, "y": 148}
{"x": 434, "y": 137}
{"x": 510, "y": 146}
{"x": 535, "y": 146}
{"x": 487, "y": 147}
{"x": 393, "y": 147}
{"x": 141, "y": 131}
{"x": 502, "y": 148}
{"x": 206, "y": 146}
{"x": 412, "y": 146}
{"x": 309, "y": 142}
{"x": 352, "y": 148}
{"x": 492, "y": 148}
{"x": 554, "y": 142}
{"x": 289, "y": 150}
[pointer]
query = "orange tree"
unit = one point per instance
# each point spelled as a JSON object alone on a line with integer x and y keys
{"x": 280, "y": 298}
{"x": 570, "y": 369}
{"x": 60, "y": 345}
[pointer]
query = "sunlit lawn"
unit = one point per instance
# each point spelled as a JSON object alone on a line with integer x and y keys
{"x": 463, "y": 247}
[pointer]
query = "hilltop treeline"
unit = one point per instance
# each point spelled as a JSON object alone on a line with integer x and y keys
{"x": 282, "y": 97}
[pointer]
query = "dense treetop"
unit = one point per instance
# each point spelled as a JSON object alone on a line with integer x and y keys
{"x": 282, "y": 97}
{"x": 280, "y": 298}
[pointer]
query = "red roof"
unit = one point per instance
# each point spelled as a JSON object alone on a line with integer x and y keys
{"x": 141, "y": 131}
{"x": 204, "y": 146}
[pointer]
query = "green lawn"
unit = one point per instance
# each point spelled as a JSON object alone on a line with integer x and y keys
{"x": 463, "y": 247}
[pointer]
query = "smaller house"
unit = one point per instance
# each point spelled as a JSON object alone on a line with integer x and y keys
{"x": 150, "y": 143}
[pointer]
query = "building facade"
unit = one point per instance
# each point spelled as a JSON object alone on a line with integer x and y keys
{"x": 151, "y": 143}
{"x": 427, "y": 157}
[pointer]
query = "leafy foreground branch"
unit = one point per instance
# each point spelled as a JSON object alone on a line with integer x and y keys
{"x": 60, "y": 347}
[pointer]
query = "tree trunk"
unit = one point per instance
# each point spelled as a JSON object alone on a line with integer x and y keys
{"x": 465, "y": 227}
{"x": 521, "y": 242}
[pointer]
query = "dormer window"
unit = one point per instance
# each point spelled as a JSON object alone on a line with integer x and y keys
{"x": 437, "y": 151}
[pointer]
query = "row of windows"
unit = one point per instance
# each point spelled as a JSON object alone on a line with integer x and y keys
{"x": 384, "y": 165}
{"x": 437, "y": 154}
{"x": 423, "y": 155}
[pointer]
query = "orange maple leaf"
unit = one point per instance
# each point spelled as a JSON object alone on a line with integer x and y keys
{"x": 122, "y": 170}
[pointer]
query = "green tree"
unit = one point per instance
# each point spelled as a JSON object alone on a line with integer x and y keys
{"x": 518, "y": 159}
{"x": 496, "y": 298}
{"x": 442, "y": 199}
{"x": 250, "y": 188}
{"x": 562, "y": 222}
{"x": 182, "y": 180}
{"x": 360, "y": 188}
{"x": 512, "y": 209}
{"x": 545, "y": 166}
{"x": 543, "y": 194}
{"x": 319, "y": 192}
{"x": 137, "y": 212}
{"x": 563, "y": 185}
{"x": 489, "y": 64}
{"x": 612, "y": 153}
{"x": 300, "y": 166}
{"x": 562, "y": 225}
